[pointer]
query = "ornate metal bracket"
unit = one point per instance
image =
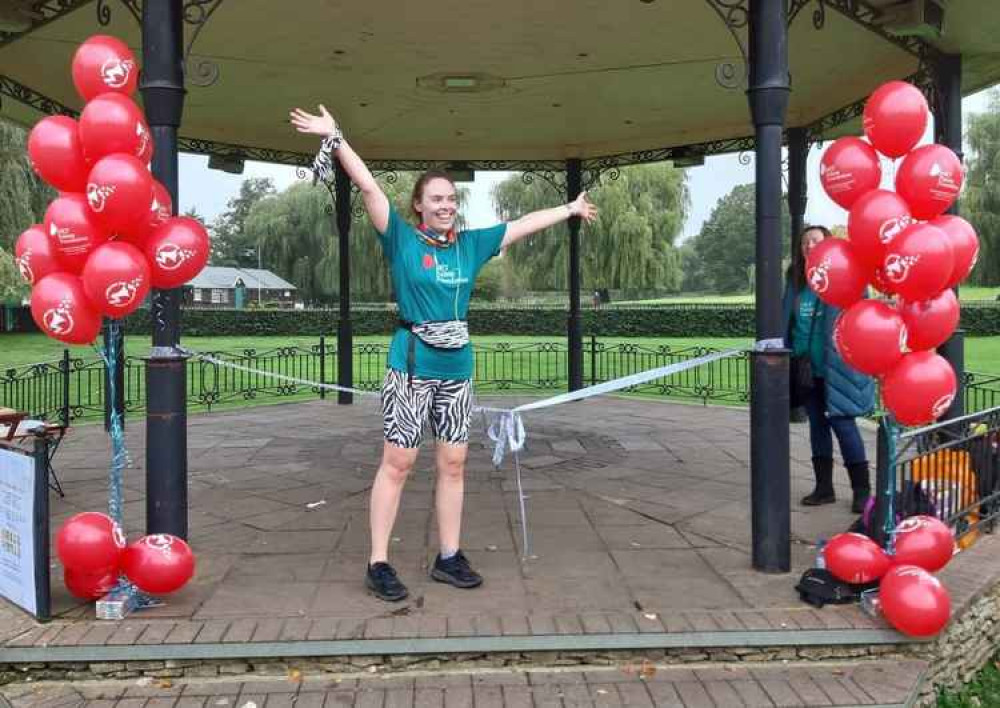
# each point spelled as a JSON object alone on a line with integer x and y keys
{"x": 197, "y": 14}
{"x": 40, "y": 14}
{"x": 819, "y": 14}
{"x": 736, "y": 17}
{"x": 104, "y": 12}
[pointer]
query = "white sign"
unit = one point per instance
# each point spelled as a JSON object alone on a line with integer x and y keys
{"x": 17, "y": 540}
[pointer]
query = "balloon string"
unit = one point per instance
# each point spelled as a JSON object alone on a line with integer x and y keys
{"x": 889, "y": 522}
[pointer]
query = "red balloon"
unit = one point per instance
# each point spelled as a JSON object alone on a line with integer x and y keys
{"x": 88, "y": 586}
{"x": 875, "y": 219}
{"x": 90, "y": 543}
{"x": 964, "y": 244}
{"x": 882, "y": 284}
{"x": 119, "y": 190}
{"x": 34, "y": 255}
{"x": 849, "y": 169}
{"x": 72, "y": 230}
{"x": 931, "y": 322}
{"x": 177, "y": 251}
{"x": 113, "y": 123}
{"x": 895, "y": 118}
{"x": 929, "y": 179}
{"x": 116, "y": 278}
{"x": 103, "y": 64}
{"x": 920, "y": 388}
{"x": 835, "y": 274}
{"x": 919, "y": 262}
{"x": 914, "y": 601}
{"x": 870, "y": 336}
{"x": 160, "y": 209}
{"x": 57, "y": 154}
{"x": 855, "y": 558}
{"x": 60, "y": 309}
{"x": 158, "y": 564}
{"x": 923, "y": 541}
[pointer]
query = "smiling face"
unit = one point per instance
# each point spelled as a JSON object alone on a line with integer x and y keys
{"x": 437, "y": 204}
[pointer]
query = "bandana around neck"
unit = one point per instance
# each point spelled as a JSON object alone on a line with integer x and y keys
{"x": 433, "y": 238}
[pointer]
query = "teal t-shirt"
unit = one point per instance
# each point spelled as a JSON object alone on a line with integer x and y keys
{"x": 432, "y": 285}
{"x": 810, "y": 306}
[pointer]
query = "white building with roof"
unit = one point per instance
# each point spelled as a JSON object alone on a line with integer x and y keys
{"x": 225, "y": 287}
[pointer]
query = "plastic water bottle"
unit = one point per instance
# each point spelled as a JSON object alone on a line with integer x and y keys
{"x": 820, "y": 559}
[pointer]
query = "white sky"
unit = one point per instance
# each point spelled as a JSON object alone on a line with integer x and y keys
{"x": 208, "y": 190}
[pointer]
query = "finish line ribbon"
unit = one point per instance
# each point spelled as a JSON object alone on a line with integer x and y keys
{"x": 506, "y": 426}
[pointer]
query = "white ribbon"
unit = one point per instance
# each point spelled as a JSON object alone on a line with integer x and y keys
{"x": 507, "y": 433}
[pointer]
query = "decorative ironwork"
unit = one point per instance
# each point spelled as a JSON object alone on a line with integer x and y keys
{"x": 818, "y": 17}
{"x": 74, "y": 387}
{"x": 41, "y": 14}
{"x": 197, "y": 13}
{"x": 33, "y": 99}
{"x": 736, "y": 17}
{"x": 104, "y": 12}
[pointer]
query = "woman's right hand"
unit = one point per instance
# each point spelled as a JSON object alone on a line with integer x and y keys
{"x": 322, "y": 124}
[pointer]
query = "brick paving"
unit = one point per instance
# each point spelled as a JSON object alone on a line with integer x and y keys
{"x": 880, "y": 683}
{"x": 638, "y": 514}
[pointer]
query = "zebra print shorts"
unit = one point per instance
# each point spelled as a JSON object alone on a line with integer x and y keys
{"x": 405, "y": 409}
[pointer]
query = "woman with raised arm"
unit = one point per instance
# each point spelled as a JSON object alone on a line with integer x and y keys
{"x": 430, "y": 359}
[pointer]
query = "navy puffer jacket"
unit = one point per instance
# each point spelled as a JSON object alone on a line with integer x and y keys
{"x": 848, "y": 392}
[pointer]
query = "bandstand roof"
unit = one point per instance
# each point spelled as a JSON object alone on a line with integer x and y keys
{"x": 495, "y": 82}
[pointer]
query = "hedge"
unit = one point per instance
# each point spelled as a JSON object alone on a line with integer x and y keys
{"x": 665, "y": 321}
{"x": 723, "y": 320}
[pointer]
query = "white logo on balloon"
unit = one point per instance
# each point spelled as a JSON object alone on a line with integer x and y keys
{"x": 115, "y": 72}
{"x": 941, "y": 405}
{"x": 122, "y": 292}
{"x": 819, "y": 276}
{"x": 160, "y": 542}
{"x": 897, "y": 267}
{"x": 97, "y": 196}
{"x": 170, "y": 256}
{"x": 59, "y": 319}
{"x": 891, "y": 228}
{"x": 24, "y": 267}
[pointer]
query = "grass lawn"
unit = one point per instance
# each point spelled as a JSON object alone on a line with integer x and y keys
{"x": 983, "y": 690}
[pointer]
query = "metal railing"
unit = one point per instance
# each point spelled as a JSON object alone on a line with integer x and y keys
{"x": 72, "y": 389}
{"x": 950, "y": 470}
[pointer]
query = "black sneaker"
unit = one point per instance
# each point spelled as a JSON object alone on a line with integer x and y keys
{"x": 456, "y": 571}
{"x": 382, "y": 582}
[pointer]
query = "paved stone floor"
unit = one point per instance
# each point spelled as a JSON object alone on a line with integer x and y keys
{"x": 871, "y": 683}
{"x": 638, "y": 514}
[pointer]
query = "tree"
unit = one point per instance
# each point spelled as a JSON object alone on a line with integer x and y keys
{"x": 630, "y": 247}
{"x": 23, "y": 194}
{"x": 296, "y": 231}
{"x": 981, "y": 202}
{"x": 724, "y": 252}
{"x": 13, "y": 289}
{"x": 230, "y": 243}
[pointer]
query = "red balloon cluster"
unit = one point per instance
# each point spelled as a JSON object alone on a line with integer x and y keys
{"x": 901, "y": 243}
{"x": 110, "y": 235}
{"x": 93, "y": 552}
{"x": 912, "y": 600}
{"x": 90, "y": 546}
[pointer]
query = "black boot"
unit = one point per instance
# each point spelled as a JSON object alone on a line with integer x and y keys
{"x": 823, "y": 493}
{"x": 860, "y": 485}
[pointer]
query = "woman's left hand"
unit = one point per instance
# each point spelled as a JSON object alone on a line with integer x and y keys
{"x": 584, "y": 208}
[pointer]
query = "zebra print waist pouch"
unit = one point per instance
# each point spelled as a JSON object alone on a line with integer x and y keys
{"x": 446, "y": 334}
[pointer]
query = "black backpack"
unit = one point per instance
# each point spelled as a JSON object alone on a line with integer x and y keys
{"x": 819, "y": 587}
